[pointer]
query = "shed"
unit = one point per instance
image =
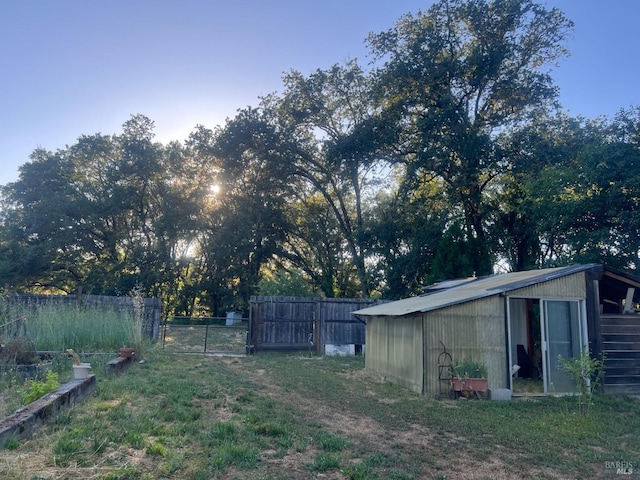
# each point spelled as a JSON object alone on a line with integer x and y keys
{"x": 522, "y": 318}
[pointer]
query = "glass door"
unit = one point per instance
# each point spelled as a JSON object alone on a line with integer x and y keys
{"x": 562, "y": 326}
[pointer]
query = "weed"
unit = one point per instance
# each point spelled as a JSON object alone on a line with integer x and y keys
{"x": 232, "y": 454}
{"x": 135, "y": 440}
{"x": 221, "y": 432}
{"x": 68, "y": 446}
{"x": 56, "y": 327}
{"x": 171, "y": 464}
{"x": 587, "y": 374}
{"x": 360, "y": 471}
{"x": 157, "y": 449}
{"x": 377, "y": 460}
{"x": 128, "y": 473}
{"x": 11, "y": 444}
{"x": 330, "y": 443}
{"x": 323, "y": 462}
{"x": 271, "y": 429}
{"x": 36, "y": 389}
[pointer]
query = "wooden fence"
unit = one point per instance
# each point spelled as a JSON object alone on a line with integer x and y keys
{"x": 152, "y": 306}
{"x": 300, "y": 323}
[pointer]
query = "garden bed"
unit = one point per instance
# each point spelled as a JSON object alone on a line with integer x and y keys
{"x": 25, "y": 420}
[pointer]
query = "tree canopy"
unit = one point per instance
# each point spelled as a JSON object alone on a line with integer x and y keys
{"x": 447, "y": 156}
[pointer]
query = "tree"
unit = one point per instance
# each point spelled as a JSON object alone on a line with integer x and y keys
{"x": 36, "y": 216}
{"x": 526, "y": 222}
{"x": 315, "y": 244}
{"x": 309, "y": 140}
{"x": 596, "y": 193}
{"x": 452, "y": 79}
{"x": 328, "y": 113}
{"x": 244, "y": 225}
{"x": 569, "y": 194}
{"x": 105, "y": 213}
{"x": 404, "y": 233}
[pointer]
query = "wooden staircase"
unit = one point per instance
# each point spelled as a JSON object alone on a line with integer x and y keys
{"x": 621, "y": 346}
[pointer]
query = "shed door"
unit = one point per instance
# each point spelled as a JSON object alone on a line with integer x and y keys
{"x": 563, "y": 325}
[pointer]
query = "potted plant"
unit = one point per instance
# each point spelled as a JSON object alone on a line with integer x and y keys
{"x": 80, "y": 369}
{"x": 469, "y": 376}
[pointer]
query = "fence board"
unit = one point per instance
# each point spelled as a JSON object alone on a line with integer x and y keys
{"x": 294, "y": 322}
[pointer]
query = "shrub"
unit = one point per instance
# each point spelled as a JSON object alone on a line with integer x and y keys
{"x": 36, "y": 389}
{"x": 587, "y": 374}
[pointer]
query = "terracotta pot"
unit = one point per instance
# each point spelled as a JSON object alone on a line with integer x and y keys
{"x": 126, "y": 352}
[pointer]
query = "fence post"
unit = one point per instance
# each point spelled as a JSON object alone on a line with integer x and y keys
{"x": 164, "y": 332}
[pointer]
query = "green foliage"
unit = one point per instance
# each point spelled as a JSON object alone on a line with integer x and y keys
{"x": 11, "y": 444}
{"x": 441, "y": 160}
{"x": 68, "y": 446}
{"x": 468, "y": 368}
{"x": 587, "y": 373}
{"x": 36, "y": 389}
{"x": 238, "y": 455}
{"x": 330, "y": 443}
{"x": 286, "y": 283}
{"x": 360, "y": 471}
{"x": 454, "y": 77}
{"x": 454, "y": 257}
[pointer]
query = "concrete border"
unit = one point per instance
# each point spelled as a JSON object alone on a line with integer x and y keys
{"x": 27, "y": 419}
{"x": 119, "y": 364}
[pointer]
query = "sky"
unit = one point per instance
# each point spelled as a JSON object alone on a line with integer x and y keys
{"x": 77, "y": 67}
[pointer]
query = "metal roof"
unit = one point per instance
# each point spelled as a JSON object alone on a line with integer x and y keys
{"x": 472, "y": 290}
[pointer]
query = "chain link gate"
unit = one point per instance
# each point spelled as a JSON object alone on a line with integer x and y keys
{"x": 208, "y": 335}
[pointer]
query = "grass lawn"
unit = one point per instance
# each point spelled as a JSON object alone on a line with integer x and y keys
{"x": 291, "y": 416}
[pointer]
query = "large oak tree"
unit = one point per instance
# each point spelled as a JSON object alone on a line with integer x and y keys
{"x": 454, "y": 77}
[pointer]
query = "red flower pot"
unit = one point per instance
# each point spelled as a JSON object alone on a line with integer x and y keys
{"x": 126, "y": 352}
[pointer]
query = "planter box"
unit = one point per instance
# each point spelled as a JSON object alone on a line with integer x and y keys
{"x": 24, "y": 421}
{"x": 469, "y": 384}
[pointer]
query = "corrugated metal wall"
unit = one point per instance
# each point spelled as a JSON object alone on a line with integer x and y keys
{"x": 394, "y": 351}
{"x": 473, "y": 330}
{"x": 571, "y": 286}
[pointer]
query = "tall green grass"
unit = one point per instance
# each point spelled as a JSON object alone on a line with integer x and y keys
{"x": 55, "y": 327}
